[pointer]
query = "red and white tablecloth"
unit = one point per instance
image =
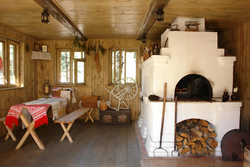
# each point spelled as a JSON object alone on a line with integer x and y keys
{"x": 37, "y": 111}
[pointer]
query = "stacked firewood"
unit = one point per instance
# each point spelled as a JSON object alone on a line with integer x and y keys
{"x": 195, "y": 136}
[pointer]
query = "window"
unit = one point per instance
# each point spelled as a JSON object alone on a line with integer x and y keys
{"x": 70, "y": 67}
{"x": 9, "y": 63}
{"x": 123, "y": 64}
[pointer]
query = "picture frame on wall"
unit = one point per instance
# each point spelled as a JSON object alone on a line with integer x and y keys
{"x": 36, "y": 47}
{"x": 45, "y": 48}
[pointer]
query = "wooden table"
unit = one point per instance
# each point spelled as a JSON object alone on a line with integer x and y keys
{"x": 30, "y": 126}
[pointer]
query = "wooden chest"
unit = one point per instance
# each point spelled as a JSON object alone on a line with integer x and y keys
{"x": 113, "y": 117}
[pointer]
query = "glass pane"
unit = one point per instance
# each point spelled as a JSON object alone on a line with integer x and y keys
{"x": 77, "y": 55}
{"x": 117, "y": 65}
{"x": 131, "y": 65}
{"x": 12, "y": 64}
{"x": 80, "y": 72}
{"x": 83, "y": 54}
{"x": 113, "y": 66}
{"x": 65, "y": 67}
{"x": 123, "y": 64}
{"x": 1, "y": 64}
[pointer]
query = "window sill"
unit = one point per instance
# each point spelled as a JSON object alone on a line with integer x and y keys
{"x": 11, "y": 88}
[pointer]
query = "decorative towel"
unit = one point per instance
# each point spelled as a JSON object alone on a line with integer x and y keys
{"x": 39, "y": 113}
{"x": 73, "y": 97}
{"x": 65, "y": 94}
{"x": 13, "y": 115}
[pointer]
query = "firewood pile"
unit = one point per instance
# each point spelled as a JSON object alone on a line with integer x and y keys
{"x": 195, "y": 136}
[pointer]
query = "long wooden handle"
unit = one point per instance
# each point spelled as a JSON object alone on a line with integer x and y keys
{"x": 163, "y": 111}
{"x": 175, "y": 120}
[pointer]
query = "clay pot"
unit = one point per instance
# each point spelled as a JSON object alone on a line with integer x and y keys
{"x": 155, "y": 49}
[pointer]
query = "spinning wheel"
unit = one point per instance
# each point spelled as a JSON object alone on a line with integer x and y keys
{"x": 126, "y": 89}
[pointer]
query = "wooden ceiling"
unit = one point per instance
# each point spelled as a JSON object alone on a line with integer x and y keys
{"x": 115, "y": 19}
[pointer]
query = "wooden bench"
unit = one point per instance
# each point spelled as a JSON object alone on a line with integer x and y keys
{"x": 70, "y": 118}
{"x": 10, "y": 133}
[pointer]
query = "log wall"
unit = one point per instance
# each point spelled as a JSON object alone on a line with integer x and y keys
{"x": 238, "y": 40}
{"x": 95, "y": 82}
{"x": 9, "y": 97}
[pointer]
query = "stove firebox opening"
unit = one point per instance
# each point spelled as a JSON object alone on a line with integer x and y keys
{"x": 194, "y": 87}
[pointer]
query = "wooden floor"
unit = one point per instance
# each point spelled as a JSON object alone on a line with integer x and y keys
{"x": 94, "y": 145}
{"x": 188, "y": 163}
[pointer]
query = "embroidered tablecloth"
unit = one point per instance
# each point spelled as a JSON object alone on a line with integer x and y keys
{"x": 38, "y": 110}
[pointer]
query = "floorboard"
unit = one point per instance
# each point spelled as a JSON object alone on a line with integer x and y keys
{"x": 93, "y": 145}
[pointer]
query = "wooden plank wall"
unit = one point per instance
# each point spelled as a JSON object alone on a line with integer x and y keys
{"x": 238, "y": 40}
{"x": 9, "y": 97}
{"x": 95, "y": 82}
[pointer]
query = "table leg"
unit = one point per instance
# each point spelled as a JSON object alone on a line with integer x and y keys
{"x": 66, "y": 131}
{"x": 30, "y": 130}
{"x": 10, "y": 133}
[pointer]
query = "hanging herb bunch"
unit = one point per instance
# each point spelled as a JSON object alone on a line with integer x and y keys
{"x": 89, "y": 46}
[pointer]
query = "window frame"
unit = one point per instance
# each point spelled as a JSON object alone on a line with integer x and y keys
{"x": 6, "y": 65}
{"x": 125, "y": 70}
{"x": 73, "y": 67}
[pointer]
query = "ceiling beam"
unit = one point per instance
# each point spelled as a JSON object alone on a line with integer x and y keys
{"x": 150, "y": 17}
{"x": 59, "y": 15}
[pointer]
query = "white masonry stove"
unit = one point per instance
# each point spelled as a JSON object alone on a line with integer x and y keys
{"x": 187, "y": 53}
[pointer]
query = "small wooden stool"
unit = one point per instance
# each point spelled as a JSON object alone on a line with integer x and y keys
{"x": 10, "y": 133}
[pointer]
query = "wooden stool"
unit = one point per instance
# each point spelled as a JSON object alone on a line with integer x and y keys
{"x": 10, "y": 133}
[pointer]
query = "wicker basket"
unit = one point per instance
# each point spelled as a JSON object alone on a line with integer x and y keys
{"x": 89, "y": 101}
{"x": 103, "y": 106}
{"x": 56, "y": 93}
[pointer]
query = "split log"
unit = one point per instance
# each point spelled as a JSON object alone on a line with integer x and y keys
{"x": 202, "y": 139}
{"x": 202, "y": 151}
{"x": 212, "y": 143}
{"x": 195, "y": 136}
{"x": 184, "y": 142}
{"x": 203, "y": 122}
{"x": 212, "y": 135}
{"x": 185, "y": 150}
{"x": 204, "y": 144}
{"x": 182, "y": 134}
{"x": 180, "y": 150}
{"x": 196, "y": 131}
{"x": 193, "y": 151}
{"x": 179, "y": 143}
{"x": 205, "y": 135}
{"x": 191, "y": 144}
{"x": 198, "y": 145}
{"x": 202, "y": 128}
{"x": 179, "y": 138}
{"x": 210, "y": 128}
{"x": 195, "y": 120}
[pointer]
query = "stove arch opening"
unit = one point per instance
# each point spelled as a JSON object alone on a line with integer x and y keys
{"x": 193, "y": 87}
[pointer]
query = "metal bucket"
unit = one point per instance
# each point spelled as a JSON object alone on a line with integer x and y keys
{"x": 246, "y": 161}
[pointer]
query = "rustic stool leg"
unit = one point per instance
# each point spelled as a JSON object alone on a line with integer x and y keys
{"x": 68, "y": 128}
{"x": 66, "y": 132}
